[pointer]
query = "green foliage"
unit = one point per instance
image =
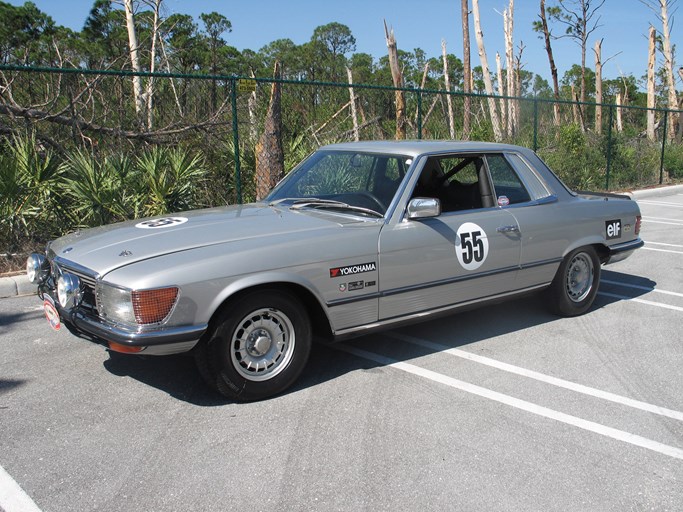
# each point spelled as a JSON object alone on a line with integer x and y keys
{"x": 29, "y": 190}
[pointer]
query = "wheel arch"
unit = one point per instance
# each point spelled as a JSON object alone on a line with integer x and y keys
{"x": 320, "y": 321}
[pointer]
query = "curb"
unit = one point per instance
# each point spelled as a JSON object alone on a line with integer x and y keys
{"x": 16, "y": 286}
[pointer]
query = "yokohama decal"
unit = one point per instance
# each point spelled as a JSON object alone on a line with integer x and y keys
{"x": 350, "y": 270}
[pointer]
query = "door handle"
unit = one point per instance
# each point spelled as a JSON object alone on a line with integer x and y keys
{"x": 508, "y": 229}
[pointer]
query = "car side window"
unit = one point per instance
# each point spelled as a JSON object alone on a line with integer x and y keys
{"x": 508, "y": 187}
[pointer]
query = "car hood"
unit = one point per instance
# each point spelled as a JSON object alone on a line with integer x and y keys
{"x": 106, "y": 248}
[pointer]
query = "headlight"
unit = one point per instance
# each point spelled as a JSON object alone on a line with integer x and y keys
{"x": 37, "y": 268}
{"x": 140, "y": 307}
{"x": 68, "y": 290}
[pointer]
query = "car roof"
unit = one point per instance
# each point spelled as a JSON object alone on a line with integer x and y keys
{"x": 415, "y": 148}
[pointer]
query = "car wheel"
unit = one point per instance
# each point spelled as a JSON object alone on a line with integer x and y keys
{"x": 258, "y": 346}
{"x": 576, "y": 283}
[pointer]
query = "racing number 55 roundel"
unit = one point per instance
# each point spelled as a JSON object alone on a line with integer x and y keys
{"x": 471, "y": 246}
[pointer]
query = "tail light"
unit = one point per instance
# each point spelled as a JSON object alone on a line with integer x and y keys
{"x": 638, "y": 222}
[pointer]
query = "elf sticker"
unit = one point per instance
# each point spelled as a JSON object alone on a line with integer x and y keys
{"x": 471, "y": 246}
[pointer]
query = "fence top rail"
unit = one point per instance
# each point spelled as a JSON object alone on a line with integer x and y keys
{"x": 234, "y": 78}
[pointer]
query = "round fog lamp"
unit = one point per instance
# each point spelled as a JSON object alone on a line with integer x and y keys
{"x": 37, "y": 268}
{"x": 68, "y": 291}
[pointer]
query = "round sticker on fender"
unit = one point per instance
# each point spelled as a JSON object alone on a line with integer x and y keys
{"x": 164, "y": 222}
{"x": 471, "y": 246}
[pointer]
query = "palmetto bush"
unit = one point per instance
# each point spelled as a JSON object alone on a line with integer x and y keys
{"x": 30, "y": 202}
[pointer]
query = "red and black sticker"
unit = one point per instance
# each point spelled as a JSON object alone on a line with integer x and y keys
{"x": 350, "y": 270}
{"x": 613, "y": 229}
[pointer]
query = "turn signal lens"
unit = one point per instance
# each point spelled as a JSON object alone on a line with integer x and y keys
{"x": 638, "y": 222}
{"x": 153, "y": 306}
{"x": 124, "y": 349}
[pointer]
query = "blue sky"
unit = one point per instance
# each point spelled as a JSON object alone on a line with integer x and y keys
{"x": 416, "y": 25}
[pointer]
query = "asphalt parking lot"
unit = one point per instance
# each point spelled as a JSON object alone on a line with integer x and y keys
{"x": 503, "y": 408}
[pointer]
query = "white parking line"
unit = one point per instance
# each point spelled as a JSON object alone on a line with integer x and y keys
{"x": 666, "y": 245}
{"x": 620, "y": 435}
{"x": 663, "y": 218}
{"x": 644, "y": 288}
{"x": 12, "y": 497}
{"x": 661, "y": 250}
{"x": 641, "y": 301}
{"x": 561, "y": 383}
{"x": 658, "y": 203}
{"x": 647, "y": 221}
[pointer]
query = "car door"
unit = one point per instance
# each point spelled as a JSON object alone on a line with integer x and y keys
{"x": 464, "y": 255}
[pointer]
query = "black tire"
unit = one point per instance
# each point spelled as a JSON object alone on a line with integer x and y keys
{"x": 575, "y": 285}
{"x": 258, "y": 346}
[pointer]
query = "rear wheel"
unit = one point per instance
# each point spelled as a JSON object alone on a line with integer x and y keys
{"x": 258, "y": 347}
{"x": 576, "y": 283}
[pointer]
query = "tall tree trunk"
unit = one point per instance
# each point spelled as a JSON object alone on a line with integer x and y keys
{"x": 156, "y": 5}
{"x": 598, "y": 86}
{"x": 669, "y": 68}
{"x": 352, "y": 99}
{"x": 508, "y": 25}
{"x": 651, "y": 83}
{"x": 397, "y": 77}
{"x": 501, "y": 92}
{"x": 134, "y": 61}
{"x": 551, "y": 60}
{"x": 495, "y": 121}
{"x": 620, "y": 124}
{"x": 270, "y": 160}
{"x": 447, "y": 81}
{"x": 467, "y": 69}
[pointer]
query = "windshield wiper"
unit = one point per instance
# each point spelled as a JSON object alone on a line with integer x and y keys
{"x": 331, "y": 204}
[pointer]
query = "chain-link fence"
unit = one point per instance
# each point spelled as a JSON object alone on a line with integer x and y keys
{"x": 221, "y": 119}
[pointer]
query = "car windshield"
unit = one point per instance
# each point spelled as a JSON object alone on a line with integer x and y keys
{"x": 362, "y": 181}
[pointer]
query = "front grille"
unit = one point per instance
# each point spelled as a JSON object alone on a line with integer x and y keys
{"x": 88, "y": 280}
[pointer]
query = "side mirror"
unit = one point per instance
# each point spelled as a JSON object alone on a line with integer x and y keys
{"x": 423, "y": 208}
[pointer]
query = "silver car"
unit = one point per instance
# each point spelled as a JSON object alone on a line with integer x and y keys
{"x": 358, "y": 237}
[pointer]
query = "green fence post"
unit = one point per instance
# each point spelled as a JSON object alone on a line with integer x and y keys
{"x": 236, "y": 140}
{"x": 535, "y": 124}
{"x": 661, "y": 158}
{"x": 609, "y": 144}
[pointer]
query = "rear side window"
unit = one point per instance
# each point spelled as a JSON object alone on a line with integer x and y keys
{"x": 508, "y": 186}
{"x": 536, "y": 187}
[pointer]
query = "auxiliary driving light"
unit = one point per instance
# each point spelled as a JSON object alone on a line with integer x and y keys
{"x": 68, "y": 291}
{"x": 37, "y": 268}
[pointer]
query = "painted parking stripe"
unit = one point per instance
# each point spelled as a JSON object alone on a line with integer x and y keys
{"x": 561, "y": 383}
{"x": 644, "y": 288}
{"x": 12, "y": 497}
{"x": 657, "y": 203}
{"x": 662, "y": 222}
{"x": 641, "y": 301}
{"x": 663, "y": 218}
{"x": 597, "y": 428}
{"x": 661, "y": 250}
{"x": 665, "y": 245}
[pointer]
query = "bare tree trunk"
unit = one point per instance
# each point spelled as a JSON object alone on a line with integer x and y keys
{"x": 251, "y": 109}
{"x": 352, "y": 97}
{"x": 669, "y": 68}
{"x": 518, "y": 86}
{"x": 447, "y": 81}
{"x": 551, "y": 60}
{"x": 485, "y": 69}
{"x": 575, "y": 106}
{"x": 620, "y": 124}
{"x": 397, "y": 77}
{"x": 270, "y": 160}
{"x": 598, "y": 86}
{"x": 467, "y": 69}
{"x": 134, "y": 62}
{"x": 651, "y": 58}
{"x": 501, "y": 92}
{"x": 156, "y": 5}
{"x": 172, "y": 83}
{"x": 508, "y": 25}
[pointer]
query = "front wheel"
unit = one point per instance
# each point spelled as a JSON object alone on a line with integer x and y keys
{"x": 258, "y": 347}
{"x": 576, "y": 283}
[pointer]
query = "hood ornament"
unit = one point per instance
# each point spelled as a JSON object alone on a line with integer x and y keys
{"x": 67, "y": 250}
{"x": 125, "y": 253}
